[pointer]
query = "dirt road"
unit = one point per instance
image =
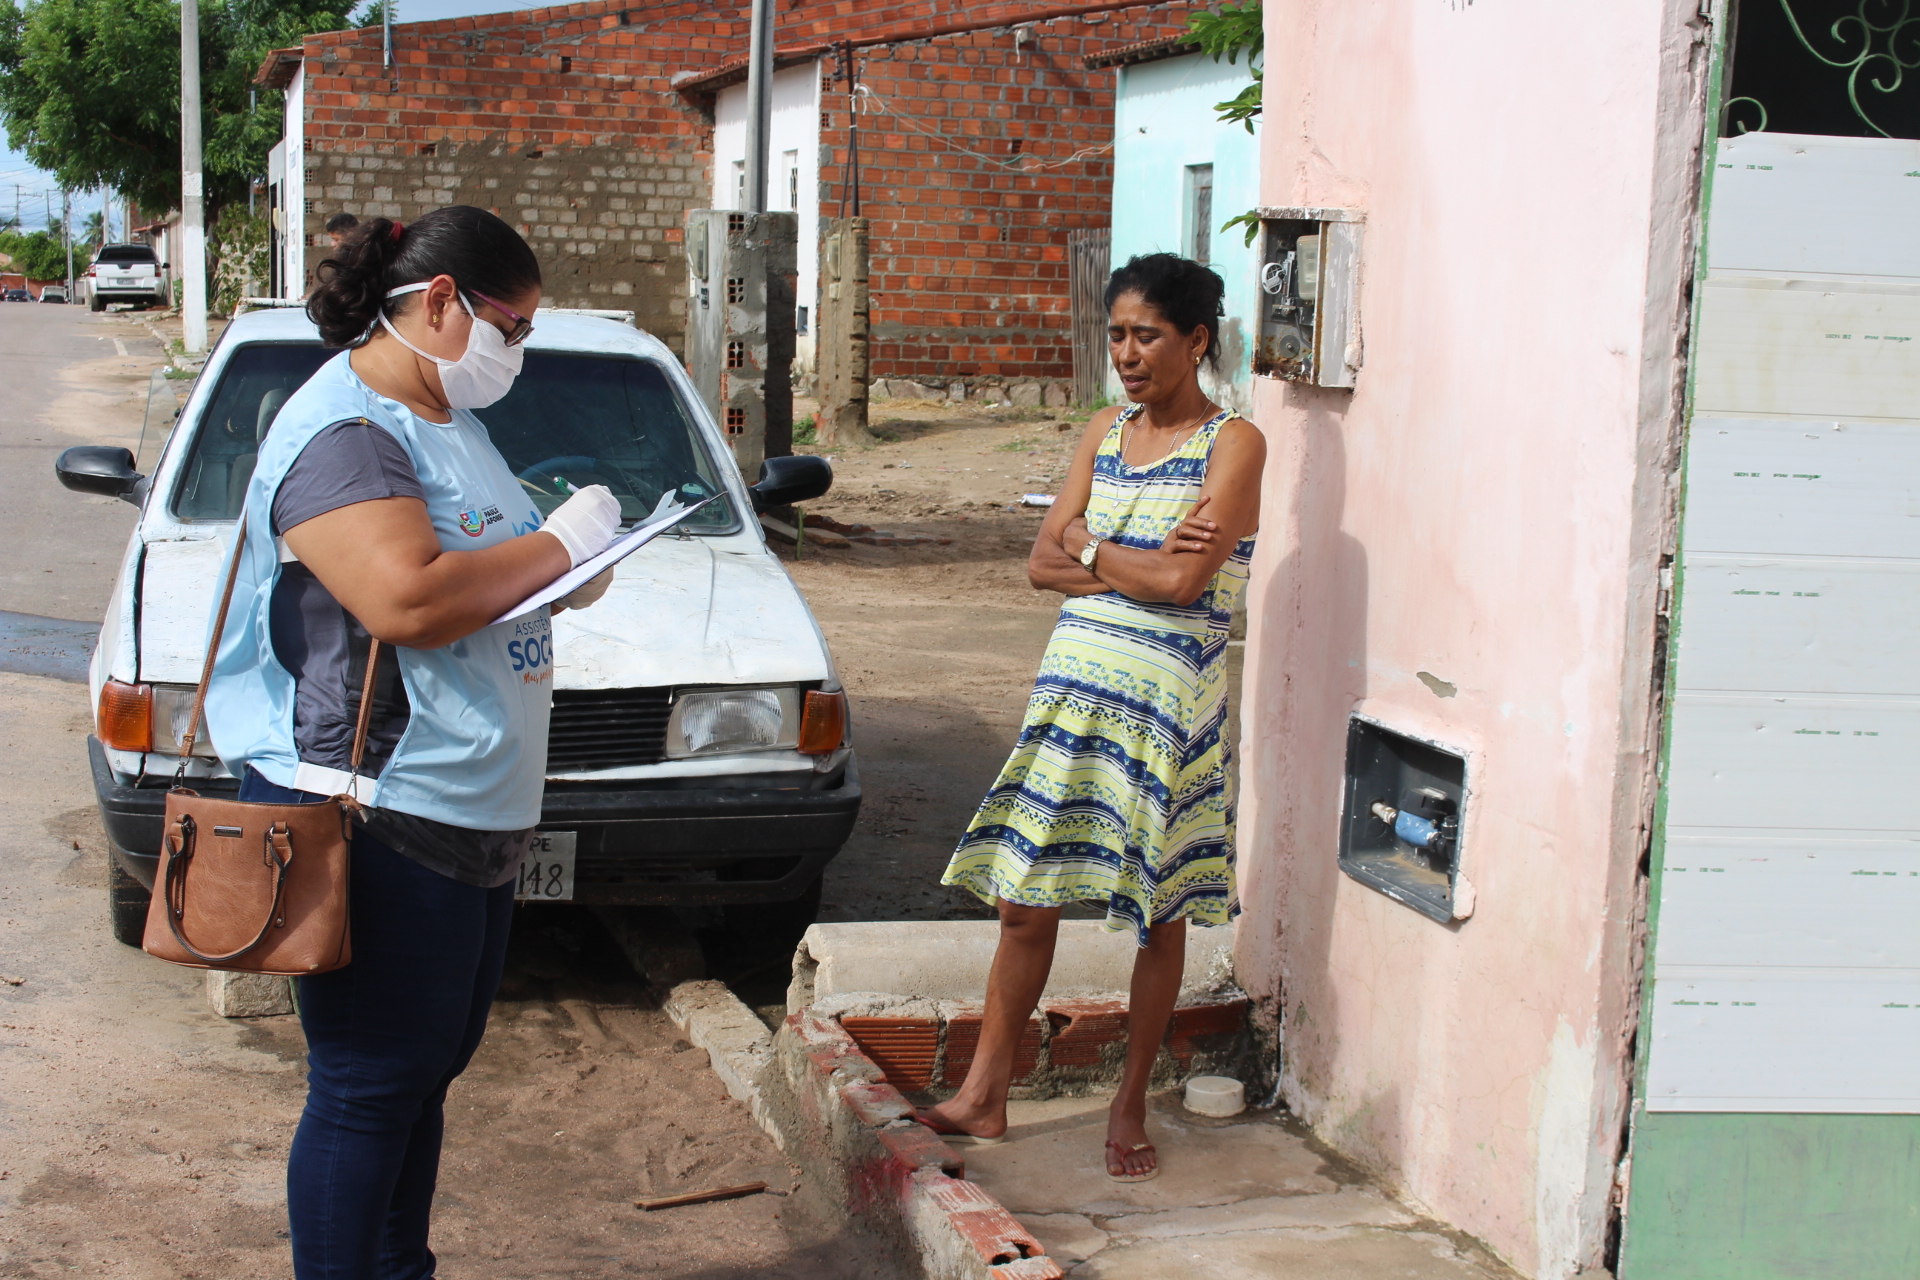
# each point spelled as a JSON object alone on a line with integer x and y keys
{"x": 142, "y": 1136}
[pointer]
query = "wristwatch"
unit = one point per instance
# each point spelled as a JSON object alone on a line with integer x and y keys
{"x": 1089, "y": 552}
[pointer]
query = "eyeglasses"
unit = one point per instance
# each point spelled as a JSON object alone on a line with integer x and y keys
{"x": 521, "y": 325}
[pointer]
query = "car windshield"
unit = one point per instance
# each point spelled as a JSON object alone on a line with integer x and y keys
{"x": 575, "y": 420}
{"x": 570, "y": 421}
{"x": 126, "y": 253}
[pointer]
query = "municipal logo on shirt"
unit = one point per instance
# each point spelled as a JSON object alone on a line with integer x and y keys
{"x": 472, "y": 522}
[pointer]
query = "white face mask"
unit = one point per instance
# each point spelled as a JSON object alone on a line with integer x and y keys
{"x": 480, "y": 376}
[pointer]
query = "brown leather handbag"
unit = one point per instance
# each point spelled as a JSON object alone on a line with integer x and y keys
{"x": 255, "y": 888}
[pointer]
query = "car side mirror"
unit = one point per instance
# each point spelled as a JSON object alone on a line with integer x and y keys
{"x": 785, "y": 481}
{"x": 101, "y": 468}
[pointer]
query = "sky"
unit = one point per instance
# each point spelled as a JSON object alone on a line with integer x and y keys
{"x": 35, "y": 185}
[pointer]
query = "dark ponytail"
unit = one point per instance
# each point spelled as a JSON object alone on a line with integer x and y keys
{"x": 472, "y": 245}
{"x": 1186, "y": 293}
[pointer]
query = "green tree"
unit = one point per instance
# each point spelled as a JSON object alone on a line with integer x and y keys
{"x": 90, "y": 90}
{"x": 38, "y": 255}
{"x": 1227, "y": 34}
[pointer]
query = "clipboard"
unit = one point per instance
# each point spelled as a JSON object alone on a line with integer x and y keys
{"x": 619, "y": 549}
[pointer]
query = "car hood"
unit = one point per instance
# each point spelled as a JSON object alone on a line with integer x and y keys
{"x": 679, "y": 612}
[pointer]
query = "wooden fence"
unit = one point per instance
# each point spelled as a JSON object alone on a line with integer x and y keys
{"x": 1090, "y": 260}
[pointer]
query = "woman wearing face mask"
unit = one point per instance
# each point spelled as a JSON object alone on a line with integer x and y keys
{"x": 379, "y": 509}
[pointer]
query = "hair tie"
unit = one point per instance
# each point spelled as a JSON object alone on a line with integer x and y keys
{"x": 399, "y": 229}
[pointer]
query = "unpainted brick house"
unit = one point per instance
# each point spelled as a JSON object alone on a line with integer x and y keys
{"x": 984, "y": 141}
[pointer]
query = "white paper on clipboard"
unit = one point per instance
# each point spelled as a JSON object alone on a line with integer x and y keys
{"x": 621, "y": 547}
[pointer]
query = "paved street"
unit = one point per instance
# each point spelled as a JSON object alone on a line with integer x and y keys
{"x": 70, "y": 377}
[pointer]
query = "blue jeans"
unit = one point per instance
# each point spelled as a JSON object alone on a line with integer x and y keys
{"x": 386, "y": 1035}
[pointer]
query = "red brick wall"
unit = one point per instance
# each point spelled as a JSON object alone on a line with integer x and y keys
{"x": 976, "y": 160}
{"x": 971, "y": 208}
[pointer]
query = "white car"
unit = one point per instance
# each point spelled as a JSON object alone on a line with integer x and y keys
{"x": 699, "y": 750}
{"x": 127, "y": 273}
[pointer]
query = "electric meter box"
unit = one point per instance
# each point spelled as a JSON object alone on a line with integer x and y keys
{"x": 1309, "y": 329}
{"x": 1400, "y": 833}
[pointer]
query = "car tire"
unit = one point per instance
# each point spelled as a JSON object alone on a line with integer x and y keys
{"x": 127, "y": 901}
{"x": 96, "y": 303}
{"x": 775, "y": 924}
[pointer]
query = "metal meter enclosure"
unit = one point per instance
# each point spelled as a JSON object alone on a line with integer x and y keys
{"x": 1309, "y": 327}
{"x": 1404, "y": 807}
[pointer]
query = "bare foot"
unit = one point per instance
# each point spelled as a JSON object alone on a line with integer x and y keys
{"x": 955, "y": 1117}
{"x": 1130, "y": 1153}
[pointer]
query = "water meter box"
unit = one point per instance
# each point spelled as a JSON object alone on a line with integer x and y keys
{"x": 1308, "y": 328}
{"x": 1400, "y": 832}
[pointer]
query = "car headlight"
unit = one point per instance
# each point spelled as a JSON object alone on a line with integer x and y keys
{"x": 149, "y": 717}
{"x": 719, "y": 721}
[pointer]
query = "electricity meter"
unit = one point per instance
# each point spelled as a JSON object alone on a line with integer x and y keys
{"x": 1309, "y": 328}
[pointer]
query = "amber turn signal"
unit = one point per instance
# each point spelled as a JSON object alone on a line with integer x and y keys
{"x": 126, "y": 716}
{"x": 823, "y": 724}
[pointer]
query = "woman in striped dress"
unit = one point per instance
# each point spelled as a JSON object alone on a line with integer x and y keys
{"x": 1117, "y": 791}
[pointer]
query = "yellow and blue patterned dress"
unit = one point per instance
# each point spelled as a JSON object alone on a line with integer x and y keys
{"x": 1118, "y": 790}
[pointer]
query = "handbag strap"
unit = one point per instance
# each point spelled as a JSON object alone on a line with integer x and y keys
{"x": 213, "y": 652}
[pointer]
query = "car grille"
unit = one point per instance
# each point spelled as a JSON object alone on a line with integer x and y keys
{"x": 607, "y": 728}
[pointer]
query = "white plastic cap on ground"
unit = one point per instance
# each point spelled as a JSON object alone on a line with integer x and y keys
{"x": 1217, "y": 1096}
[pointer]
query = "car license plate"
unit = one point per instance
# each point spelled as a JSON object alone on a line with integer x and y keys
{"x": 125, "y": 281}
{"x": 547, "y": 874}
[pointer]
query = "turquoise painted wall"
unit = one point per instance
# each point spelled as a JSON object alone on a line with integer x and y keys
{"x": 1165, "y": 122}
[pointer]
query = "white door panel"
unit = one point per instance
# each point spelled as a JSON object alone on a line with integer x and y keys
{"x": 1807, "y": 625}
{"x": 1786, "y": 961}
{"x": 1759, "y": 486}
{"x": 1784, "y": 902}
{"x": 1842, "y": 350}
{"x": 1775, "y": 1040}
{"x": 1789, "y": 203}
{"x": 1799, "y": 763}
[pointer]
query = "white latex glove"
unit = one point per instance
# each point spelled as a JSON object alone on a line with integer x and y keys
{"x": 587, "y": 592}
{"x": 586, "y": 522}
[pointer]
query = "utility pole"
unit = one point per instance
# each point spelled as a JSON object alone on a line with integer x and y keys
{"x": 193, "y": 209}
{"x": 66, "y": 235}
{"x": 850, "y": 180}
{"x": 386, "y": 45}
{"x": 759, "y": 103}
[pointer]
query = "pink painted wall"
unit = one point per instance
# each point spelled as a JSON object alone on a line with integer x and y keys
{"x": 1489, "y": 506}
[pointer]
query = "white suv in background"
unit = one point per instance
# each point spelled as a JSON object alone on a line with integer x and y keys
{"x": 127, "y": 273}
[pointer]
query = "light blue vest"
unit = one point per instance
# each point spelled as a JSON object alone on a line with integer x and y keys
{"x": 474, "y": 753}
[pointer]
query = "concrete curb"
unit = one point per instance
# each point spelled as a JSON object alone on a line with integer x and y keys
{"x": 829, "y": 1108}
{"x": 713, "y": 1018}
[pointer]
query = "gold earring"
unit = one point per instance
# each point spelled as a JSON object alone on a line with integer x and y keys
{"x": 1196, "y": 362}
